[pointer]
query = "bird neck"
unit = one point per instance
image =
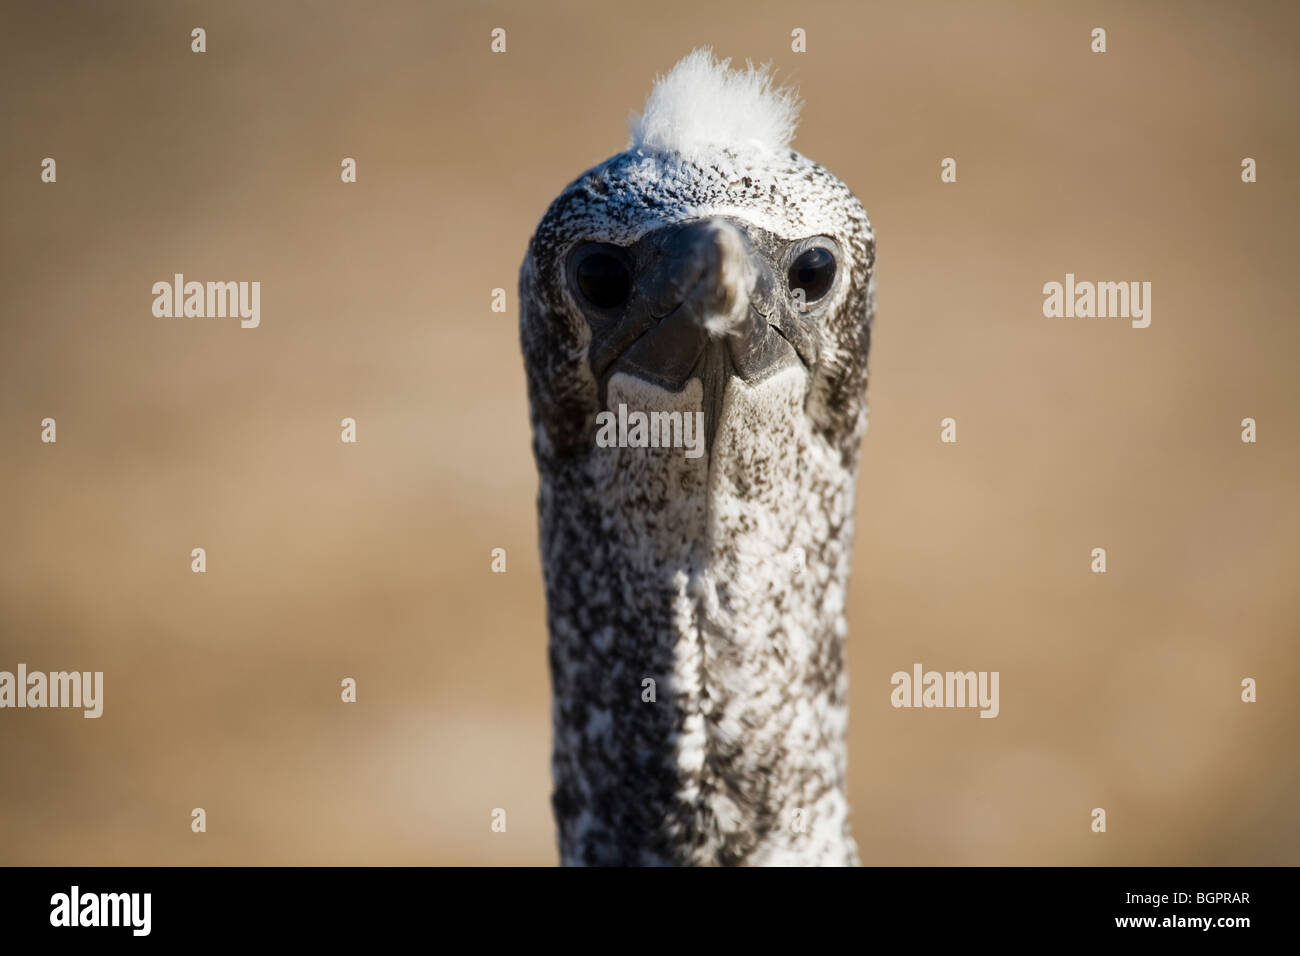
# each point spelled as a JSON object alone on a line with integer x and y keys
{"x": 696, "y": 650}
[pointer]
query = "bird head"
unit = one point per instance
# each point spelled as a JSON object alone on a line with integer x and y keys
{"x": 708, "y": 266}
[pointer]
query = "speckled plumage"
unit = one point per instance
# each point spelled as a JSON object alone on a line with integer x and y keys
{"x": 687, "y": 571}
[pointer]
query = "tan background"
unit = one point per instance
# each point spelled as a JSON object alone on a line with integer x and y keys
{"x": 372, "y": 561}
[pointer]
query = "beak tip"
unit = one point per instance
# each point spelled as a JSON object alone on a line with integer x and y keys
{"x": 718, "y": 325}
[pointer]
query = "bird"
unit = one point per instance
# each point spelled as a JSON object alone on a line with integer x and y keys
{"x": 695, "y": 605}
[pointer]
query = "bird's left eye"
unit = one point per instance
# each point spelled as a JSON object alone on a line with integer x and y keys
{"x": 603, "y": 278}
{"x": 812, "y": 273}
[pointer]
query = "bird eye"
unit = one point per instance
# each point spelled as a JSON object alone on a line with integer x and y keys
{"x": 603, "y": 279}
{"x": 813, "y": 272}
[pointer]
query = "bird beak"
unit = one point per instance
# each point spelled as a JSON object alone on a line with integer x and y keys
{"x": 697, "y": 312}
{"x": 706, "y": 277}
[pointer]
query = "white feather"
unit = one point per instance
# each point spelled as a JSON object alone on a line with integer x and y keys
{"x": 703, "y": 104}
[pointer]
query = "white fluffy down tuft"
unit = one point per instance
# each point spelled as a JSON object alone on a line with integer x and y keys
{"x": 702, "y": 103}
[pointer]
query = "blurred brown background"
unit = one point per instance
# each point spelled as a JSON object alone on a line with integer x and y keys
{"x": 328, "y": 560}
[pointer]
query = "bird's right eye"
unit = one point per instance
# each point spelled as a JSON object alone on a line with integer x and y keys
{"x": 603, "y": 279}
{"x": 812, "y": 273}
